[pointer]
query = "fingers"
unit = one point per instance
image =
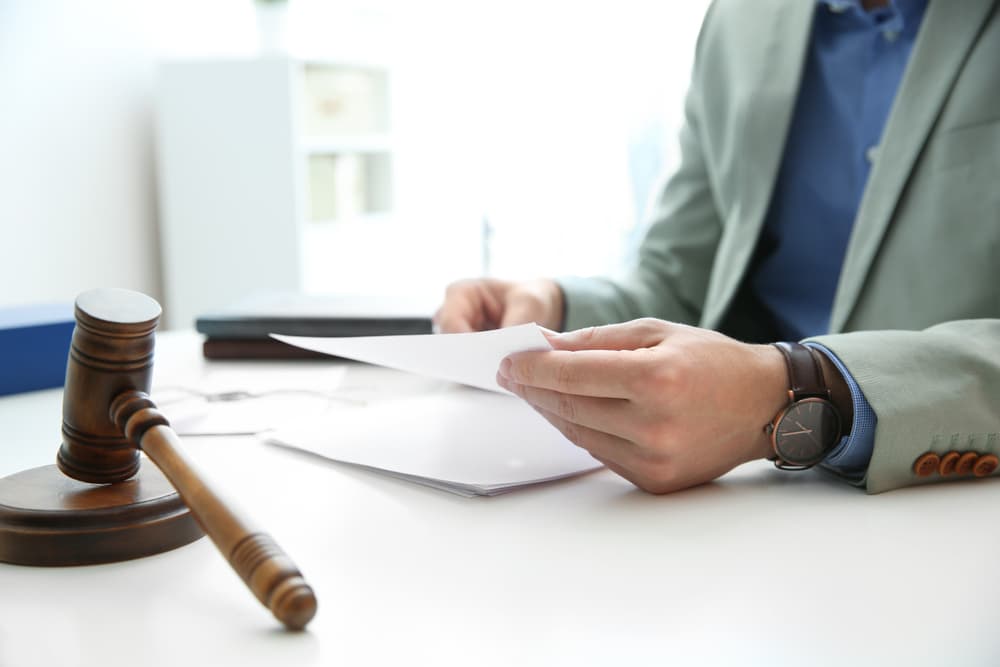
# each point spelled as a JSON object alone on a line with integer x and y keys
{"x": 605, "y": 447}
{"x": 490, "y": 298}
{"x": 646, "y": 469}
{"x": 634, "y": 335}
{"x": 610, "y": 415}
{"x": 457, "y": 312}
{"x": 488, "y": 303}
{"x": 446, "y": 320}
{"x": 534, "y": 301}
{"x": 469, "y": 305}
{"x": 620, "y": 456}
{"x": 601, "y": 373}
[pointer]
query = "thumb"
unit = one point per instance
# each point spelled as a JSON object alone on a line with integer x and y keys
{"x": 632, "y": 335}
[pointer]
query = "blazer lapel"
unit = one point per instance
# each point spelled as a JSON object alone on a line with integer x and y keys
{"x": 948, "y": 32}
{"x": 785, "y": 31}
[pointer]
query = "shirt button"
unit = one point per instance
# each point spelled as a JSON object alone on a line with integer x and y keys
{"x": 890, "y": 35}
{"x": 871, "y": 154}
{"x": 838, "y": 7}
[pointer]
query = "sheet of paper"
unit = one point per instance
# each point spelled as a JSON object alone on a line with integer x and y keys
{"x": 467, "y": 358}
{"x": 247, "y": 397}
{"x": 457, "y": 439}
{"x": 449, "y": 437}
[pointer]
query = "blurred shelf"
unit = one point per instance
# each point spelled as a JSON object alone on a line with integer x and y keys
{"x": 361, "y": 144}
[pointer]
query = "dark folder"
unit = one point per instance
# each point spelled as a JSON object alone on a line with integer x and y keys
{"x": 241, "y": 330}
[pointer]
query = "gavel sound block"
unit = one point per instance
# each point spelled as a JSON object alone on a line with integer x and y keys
{"x": 98, "y": 505}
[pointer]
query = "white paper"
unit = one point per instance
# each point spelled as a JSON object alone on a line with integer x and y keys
{"x": 248, "y": 397}
{"x": 453, "y": 438}
{"x": 467, "y": 358}
{"x": 457, "y": 439}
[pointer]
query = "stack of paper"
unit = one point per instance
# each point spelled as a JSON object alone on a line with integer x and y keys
{"x": 459, "y": 439}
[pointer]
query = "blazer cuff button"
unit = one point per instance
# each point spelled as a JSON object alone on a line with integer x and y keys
{"x": 926, "y": 465}
{"x": 985, "y": 465}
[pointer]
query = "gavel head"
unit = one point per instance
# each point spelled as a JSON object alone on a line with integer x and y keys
{"x": 111, "y": 353}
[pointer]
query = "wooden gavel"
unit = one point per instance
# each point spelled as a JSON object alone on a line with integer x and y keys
{"x": 108, "y": 417}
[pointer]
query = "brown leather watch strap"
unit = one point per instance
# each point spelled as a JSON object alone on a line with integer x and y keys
{"x": 805, "y": 375}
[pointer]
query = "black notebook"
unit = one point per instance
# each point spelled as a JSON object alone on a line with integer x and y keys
{"x": 241, "y": 330}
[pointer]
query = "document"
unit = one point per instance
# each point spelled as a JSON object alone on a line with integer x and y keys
{"x": 467, "y": 358}
{"x": 248, "y": 397}
{"x": 456, "y": 438}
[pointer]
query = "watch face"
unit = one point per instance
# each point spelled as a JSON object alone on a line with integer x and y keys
{"x": 806, "y": 431}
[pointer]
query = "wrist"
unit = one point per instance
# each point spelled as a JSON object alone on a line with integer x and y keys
{"x": 805, "y": 431}
{"x": 556, "y": 308}
{"x": 840, "y": 391}
{"x": 773, "y": 392}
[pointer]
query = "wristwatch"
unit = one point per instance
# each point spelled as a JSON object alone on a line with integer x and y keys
{"x": 809, "y": 427}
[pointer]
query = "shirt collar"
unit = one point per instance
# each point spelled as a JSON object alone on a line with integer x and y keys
{"x": 896, "y": 11}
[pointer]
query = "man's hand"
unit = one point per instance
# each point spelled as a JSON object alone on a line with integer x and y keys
{"x": 487, "y": 303}
{"x": 666, "y": 406}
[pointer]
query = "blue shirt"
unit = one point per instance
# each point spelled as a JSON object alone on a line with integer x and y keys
{"x": 852, "y": 71}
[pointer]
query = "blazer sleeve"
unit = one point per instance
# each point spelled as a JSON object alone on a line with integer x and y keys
{"x": 933, "y": 391}
{"x": 670, "y": 278}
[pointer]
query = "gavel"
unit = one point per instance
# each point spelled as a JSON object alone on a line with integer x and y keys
{"x": 108, "y": 417}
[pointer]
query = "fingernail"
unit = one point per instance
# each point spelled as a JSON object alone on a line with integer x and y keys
{"x": 505, "y": 365}
{"x": 502, "y": 381}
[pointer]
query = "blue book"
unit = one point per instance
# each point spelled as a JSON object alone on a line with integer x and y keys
{"x": 34, "y": 346}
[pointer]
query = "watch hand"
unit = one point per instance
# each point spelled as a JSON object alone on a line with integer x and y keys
{"x": 797, "y": 432}
{"x": 799, "y": 424}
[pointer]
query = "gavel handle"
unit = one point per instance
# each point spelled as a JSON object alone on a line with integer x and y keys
{"x": 264, "y": 567}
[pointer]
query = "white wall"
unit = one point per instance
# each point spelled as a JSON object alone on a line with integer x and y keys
{"x": 530, "y": 113}
{"x": 77, "y": 199}
{"x": 521, "y": 109}
{"x": 531, "y": 107}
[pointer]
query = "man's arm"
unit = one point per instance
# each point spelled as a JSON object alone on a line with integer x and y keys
{"x": 669, "y": 406}
{"x": 936, "y": 390}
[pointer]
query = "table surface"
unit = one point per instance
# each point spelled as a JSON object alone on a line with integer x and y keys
{"x": 760, "y": 567}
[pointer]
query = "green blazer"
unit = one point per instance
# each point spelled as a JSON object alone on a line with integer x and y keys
{"x": 916, "y": 316}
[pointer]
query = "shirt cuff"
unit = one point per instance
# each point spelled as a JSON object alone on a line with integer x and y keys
{"x": 853, "y": 453}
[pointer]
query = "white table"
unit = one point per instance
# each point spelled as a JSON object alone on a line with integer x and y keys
{"x": 761, "y": 567}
